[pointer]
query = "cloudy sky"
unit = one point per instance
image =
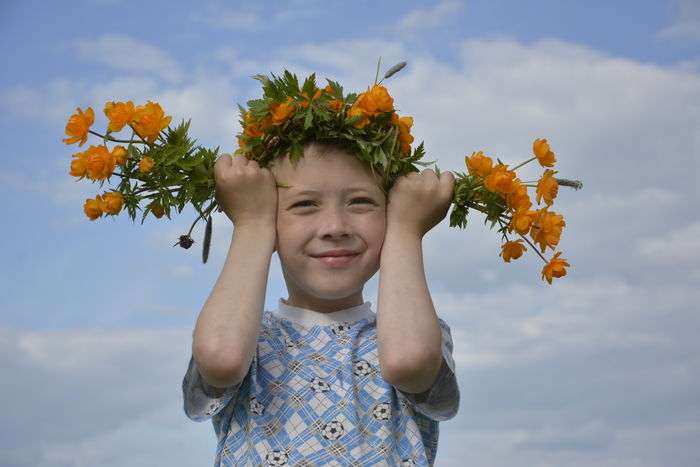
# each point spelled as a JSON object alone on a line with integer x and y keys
{"x": 599, "y": 369}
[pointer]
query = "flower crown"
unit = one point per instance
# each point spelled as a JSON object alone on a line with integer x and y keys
{"x": 173, "y": 171}
{"x": 289, "y": 115}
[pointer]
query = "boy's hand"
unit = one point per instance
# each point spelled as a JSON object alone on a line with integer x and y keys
{"x": 245, "y": 192}
{"x": 419, "y": 201}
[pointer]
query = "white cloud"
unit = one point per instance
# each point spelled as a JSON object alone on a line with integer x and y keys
{"x": 562, "y": 376}
{"x": 120, "y": 389}
{"x": 226, "y": 18}
{"x": 253, "y": 17}
{"x": 209, "y": 101}
{"x": 645, "y": 446}
{"x": 126, "y": 53}
{"x": 677, "y": 247}
{"x": 426, "y": 18}
{"x": 686, "y": 24}
{"x": 516, "y": 325}
{"x": 54, "y": 101}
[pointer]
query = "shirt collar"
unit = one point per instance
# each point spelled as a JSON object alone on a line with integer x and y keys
{"x": 308, "y": 318}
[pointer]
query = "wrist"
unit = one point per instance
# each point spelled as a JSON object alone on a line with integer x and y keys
{"x": 263, "y": 231}
{"x": 406, "y": 233}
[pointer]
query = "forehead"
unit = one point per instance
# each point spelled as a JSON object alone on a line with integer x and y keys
{"x": 334, "y": 171}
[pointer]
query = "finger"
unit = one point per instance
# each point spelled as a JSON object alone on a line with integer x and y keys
{"x": 239, "y": 160}
{"x": 447, "y": 183}
{"x": 223, "y": 160}
{"x": 253, "y": 163}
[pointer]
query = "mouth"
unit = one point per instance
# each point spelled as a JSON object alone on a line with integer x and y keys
{"x": 337, "y": 261}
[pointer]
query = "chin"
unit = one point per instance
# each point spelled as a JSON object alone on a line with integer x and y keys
{"x": 333, "y": 293}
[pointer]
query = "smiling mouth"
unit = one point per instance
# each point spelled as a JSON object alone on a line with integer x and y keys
{"x": 337, "y": 261}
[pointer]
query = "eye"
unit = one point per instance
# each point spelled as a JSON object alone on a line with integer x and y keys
{"x": 306, "y": 202}
{"x": 365, "y": 200}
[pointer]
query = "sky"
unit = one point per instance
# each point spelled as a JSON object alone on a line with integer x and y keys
{"x": 599, "y": 369}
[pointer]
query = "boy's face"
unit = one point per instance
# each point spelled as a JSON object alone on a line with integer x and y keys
{"x": 318, "y": 214}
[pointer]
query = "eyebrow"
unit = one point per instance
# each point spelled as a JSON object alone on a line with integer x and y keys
{"x": 343, "y": 191}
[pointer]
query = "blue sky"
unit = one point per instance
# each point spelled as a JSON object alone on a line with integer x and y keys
{"x": 599, "y": 369}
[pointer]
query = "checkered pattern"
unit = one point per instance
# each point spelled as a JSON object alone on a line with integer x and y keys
{"x": 315, "y": 397}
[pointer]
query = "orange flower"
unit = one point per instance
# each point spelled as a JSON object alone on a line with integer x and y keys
{"x": 522, "y": 220}
{"x": 157, "y": 209}
{"x": 518, "y": 198}
{"x": 78, "y": 126}
{"x": 78, "y": 166}
{"x": 120, "y": 154}
{"x": 478, "y": 164}
{"x": 378, "y": 100}
{"x": 119, "y": 114}
{"x": 547, "y": 187}
{"x": 375, "y": 101}
{"x": 544, "y": 155}
{"x": 404, "y": 125}
{"x": 112, "y": 202}
{"x": 512, "y": 250}
{"x": 93, "y": 208}
{"x": 547, "y": 228}
{"x": 500, "y": 180}
{"x": 149, "y": 120}
{"x": 100, "y": 163}
{"x": 146, "y": 164}
{"x": 555, "y": 268}
{"x": 253, "y": 128}
{"x": 335, "y": 105}
{"x": 281, "y": 111}
{"x": 305, "y": 103}
{"x": 355, "y": 111}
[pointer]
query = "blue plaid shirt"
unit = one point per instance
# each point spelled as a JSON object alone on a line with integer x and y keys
{"x": 314, "y": 395}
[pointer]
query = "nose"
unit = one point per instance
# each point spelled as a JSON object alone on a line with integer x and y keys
{"x": 335, "y": 224}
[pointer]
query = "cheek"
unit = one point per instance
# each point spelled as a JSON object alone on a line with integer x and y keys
{"x": 290, "y": 234}
{"x": 377, "y": 229}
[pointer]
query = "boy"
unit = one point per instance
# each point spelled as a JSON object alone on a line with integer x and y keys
{"x": 322, "y": 380}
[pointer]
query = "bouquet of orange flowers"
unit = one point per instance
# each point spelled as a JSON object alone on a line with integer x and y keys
{"x": 162, "y": 168}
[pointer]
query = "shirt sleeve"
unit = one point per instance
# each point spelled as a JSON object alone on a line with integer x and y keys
{"x": 201, "y": 400}
{"x": 441, "y": 401}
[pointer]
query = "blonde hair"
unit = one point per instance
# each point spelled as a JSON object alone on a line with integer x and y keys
{"x": 322, "y": 148}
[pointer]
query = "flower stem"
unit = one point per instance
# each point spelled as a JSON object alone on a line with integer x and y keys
{"x": 172, "y": 190}
{"x": 533, "y": 246}
{"x": 502, "y": 217}
{"x": 523, "y": 163}
{"x": 376, "y": 76}
{"x": 201, "y": 215}
{"x": 109, "y": 138}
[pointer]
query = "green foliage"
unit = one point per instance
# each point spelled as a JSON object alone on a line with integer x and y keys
{"x": 375, "y": 144}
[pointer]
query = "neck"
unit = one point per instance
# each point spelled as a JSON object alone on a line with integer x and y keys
{"x": 322, "y": 305}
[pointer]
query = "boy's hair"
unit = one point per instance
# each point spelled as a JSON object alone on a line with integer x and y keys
{"x": 322, "y": 148}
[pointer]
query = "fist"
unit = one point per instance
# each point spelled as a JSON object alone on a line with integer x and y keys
{"x": 244, "y": 191}
{"x": 419, "y": 201}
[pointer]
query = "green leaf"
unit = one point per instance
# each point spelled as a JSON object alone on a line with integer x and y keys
{"x": 310, "y": 85}
{"x": 309, "y": 119}
{"x": 297, "y": 151}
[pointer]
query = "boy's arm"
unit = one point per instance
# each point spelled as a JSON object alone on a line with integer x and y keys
{"x": 226, "y": 333}
{"x": 408, "y": 333}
